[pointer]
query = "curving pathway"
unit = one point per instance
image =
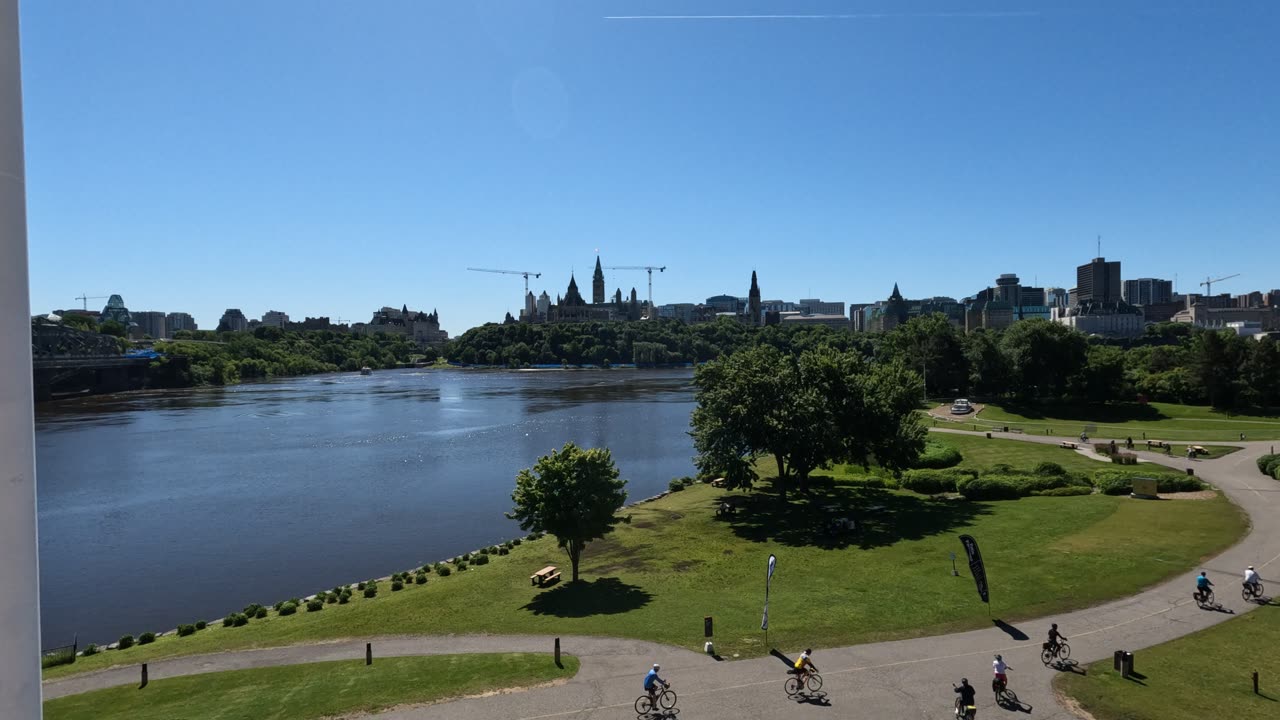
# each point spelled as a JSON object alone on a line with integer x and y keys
{"x": 899, "y": 679}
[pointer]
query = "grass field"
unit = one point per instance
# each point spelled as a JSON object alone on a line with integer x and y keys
{"x": 676, "y": 562}
{"x": 1160, "y": 421}
{"x": 1203, "y": 675}
{"x": 979, "y": 452}
{"x": 317, "y": 690}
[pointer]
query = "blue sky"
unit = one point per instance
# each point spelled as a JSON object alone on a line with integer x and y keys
{"x": 326, "y": 158}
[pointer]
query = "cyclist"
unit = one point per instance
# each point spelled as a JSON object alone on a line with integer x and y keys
{"x": 1203, "y": 583}
{"x": 1001, "y": 670}
{"x": 652, "y": 681}
{"x": 804, "y": 665}
{"x": 1054, "y": 638}
{"x": 967, "y": 703}
{"x": 1251, "y": 580}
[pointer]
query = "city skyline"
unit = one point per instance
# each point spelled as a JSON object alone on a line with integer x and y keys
{"x": 341, "y": 160}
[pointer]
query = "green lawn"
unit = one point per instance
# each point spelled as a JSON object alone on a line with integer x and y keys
{"x": 1160, "y": 421}
{"x": 317, "y": 690}
{"x": 657, "y": 577}
{"x": 979, "y": 452}
{"x": 1203, "y": 675}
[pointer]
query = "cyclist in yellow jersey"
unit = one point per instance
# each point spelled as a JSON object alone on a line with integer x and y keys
{"x": 804, "y": 665}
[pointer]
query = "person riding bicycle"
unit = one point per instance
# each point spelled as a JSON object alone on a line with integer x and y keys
{"x": 652, "y": 681}
{"x": 1055, "y": 638}
{"x": 804, "y": 665}
{"x": 1203, "y": 583}
{"x": 1252, "y": 581}
{"x": 1001, "y": 671}
{"x": 968, "y": 696}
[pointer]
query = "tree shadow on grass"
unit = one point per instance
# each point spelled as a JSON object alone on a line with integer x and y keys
{"x": 605, "y": 596}
{"x": 815, "y": 518}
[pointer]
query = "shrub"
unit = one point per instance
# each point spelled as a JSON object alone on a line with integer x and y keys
{"x": 90, "y": 649}
{"x": 1178, "y": 483}
{"x": 344, "y": 598}
{"x": 675, "y": 485}
{"x": 288, "y": 608}
{"x": 503, "y": 551}
{"x": 396, "y": 586}
{"x": 937, "y": 456}
{"x": 1102, "y": 448}
{"x": 420, "y": 578}
{"x": 360, "y": 586}
{"x": 1115, "y": 486}
{"x": 262, "y": 613}
{"x": 1064, "y": 491}
{"x": 465, "y": 557}
{"x": 125, "y": 642}
{"x": 240, "y": 620}
{"x": 1124, "y": 458}
{"x": 932, "y": 482}
{"x": 1050, "y": 468}
{"x": 229, "y": 620}
{"x": 426, "y": 568}
{"x": 252, "y": 610}
{"x": 146, "y": 638}
{"x": 1264, "y": 463}
{"x": 276, "y": 607}
{"x": 332, "y": 598}
{"x": 461, "y": 566}
{"x": 1272, "y": 466}
{"x": 481, "y": 560}
{"x": 185, "y": 630}
{"x": 688, "y": 481}
{"x": 315, "y": 605}
{"x": 200, "y": 625}
{"x": 988, "y": 488}
{"x": 516, "y": 542}
{"x": 337, "y": 589}
{"x": 444, "y": 571}
{"x": 371, "y": 591}
{"x": 870, "y": 481}
{"x": 484, "y": 551}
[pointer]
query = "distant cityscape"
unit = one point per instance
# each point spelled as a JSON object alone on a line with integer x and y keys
{"x": 1101, "y": 303}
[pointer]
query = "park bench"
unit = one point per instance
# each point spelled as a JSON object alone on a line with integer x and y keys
{"x": 1157, "y": 443}
{"x": 1068, "y": 445}
{"x": 545, "y": 576}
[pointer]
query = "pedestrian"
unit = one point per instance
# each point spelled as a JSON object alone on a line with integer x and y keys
{"x": 1241, "y": 437}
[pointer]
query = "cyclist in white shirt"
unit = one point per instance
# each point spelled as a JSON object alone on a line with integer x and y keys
{"x": 1251, "y": 578}
{"x": 1001, "y": 670}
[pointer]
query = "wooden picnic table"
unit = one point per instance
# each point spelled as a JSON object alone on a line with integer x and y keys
{"x": 544, "y": 576}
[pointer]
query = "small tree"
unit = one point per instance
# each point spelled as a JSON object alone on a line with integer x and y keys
{"x": 573, "y": 494}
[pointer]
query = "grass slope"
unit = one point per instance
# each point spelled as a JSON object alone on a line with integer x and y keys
{"x": 303, "y": 692}
{"x": 676, "y": 562}
{"x": 1160, "y": 421}
{"x": 979, "y": 453}
{"x": 1203, "y": 675}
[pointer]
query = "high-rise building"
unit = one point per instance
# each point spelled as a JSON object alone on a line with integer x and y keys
{"x": 1008, "y": 288}
{"x": 1055, "y": 297}
{"x": 275, "y": 318}
{"x": 175, "y": 321}
{"x": 151, "y": 323}
{"x": 1098, "y": 282}
{"x": 1148, "y": 291}
{"x": 233, "y": 320}
{"x": 1249, "y": 300}
{"x": 816, "y": 306}
{"x": 1031, "y": 297}
{"x": 597, "y": 284}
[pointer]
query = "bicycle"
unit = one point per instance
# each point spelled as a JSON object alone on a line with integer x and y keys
{"x": 1050, "y": 655}
{"x": 1204, "y": 598}
{"x": 965, "y": 712}
{"x": 797, "y": 684}
{"x": 664, "y": 700}
{"x": 1003, "y": 693}
{"x": 1251, "y": 592}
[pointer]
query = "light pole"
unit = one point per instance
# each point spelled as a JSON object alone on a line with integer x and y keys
{"x": 20, "y": 693}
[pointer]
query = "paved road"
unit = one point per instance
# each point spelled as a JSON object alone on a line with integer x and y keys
{"x": 902, "y": 679}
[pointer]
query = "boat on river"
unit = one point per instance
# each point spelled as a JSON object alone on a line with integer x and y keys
{"x": 366, "y": 370}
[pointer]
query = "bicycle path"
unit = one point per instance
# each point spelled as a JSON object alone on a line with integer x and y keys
{"x": 898, "y": 679}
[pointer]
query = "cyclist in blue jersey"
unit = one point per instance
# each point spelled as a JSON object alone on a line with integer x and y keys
{"x": 1202, "y": 586}
{"x": 652, "y": 681}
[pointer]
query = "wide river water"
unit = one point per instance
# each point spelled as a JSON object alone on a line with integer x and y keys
{"x": 163, "y": 508}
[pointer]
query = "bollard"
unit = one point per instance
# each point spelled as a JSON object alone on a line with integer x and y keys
{"x": 988, "y": 436}
{"x": 558, "y": 653}
{"x": 144, "y": 676}
{"x": 1191, "y": 471}
{"x": 1255, "y": 682}
{"x": 1117, "y": 661}
{"x": 368, "y": 653}
{"x": 706, "y": 626}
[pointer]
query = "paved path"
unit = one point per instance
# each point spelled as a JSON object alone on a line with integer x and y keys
{"x": 901, "y": 679}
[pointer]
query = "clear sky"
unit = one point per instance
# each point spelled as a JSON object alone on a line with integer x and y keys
{"x": 328, "y": 158}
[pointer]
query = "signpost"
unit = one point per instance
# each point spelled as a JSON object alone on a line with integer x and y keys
{"x": 768, "y": 580}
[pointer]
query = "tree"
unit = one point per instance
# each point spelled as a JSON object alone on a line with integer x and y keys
{"x": 988, "y": 368}
{"x": 930, "y": 344}
{"x": 112, "y": 327}
{"x": 1042, "y": 357}
{"x": 805, "y": 411}
{"x": 572, "y": 493}
{"x": 80, "y": 322}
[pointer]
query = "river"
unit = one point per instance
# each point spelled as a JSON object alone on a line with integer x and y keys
{"x": 169, "y": 507}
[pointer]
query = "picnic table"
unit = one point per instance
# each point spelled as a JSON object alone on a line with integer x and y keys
{"x": 1067, "y": 444}
{"x": 1157, "y": 443}
{"x": 545, "y": 576}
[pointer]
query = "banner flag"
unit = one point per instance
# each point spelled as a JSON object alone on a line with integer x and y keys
{"x": 768, "y": 580}
{"x": 976, "y": 568}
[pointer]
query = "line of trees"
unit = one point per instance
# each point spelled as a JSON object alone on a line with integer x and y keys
{"x": 1032, "y": 361}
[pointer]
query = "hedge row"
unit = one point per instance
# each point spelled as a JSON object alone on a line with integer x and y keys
{"x": 1270, "y": 465}
{"x": 1003, "y": 482}
{"x": 937, "y": 456}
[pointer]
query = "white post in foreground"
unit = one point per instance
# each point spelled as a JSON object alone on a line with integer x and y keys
{"x": 19, "y": 570}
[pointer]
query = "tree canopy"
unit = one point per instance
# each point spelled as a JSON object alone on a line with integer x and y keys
{"x": 573, "y": 494}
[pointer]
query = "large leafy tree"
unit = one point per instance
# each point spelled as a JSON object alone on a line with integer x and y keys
{"x": 930, "y": 344}
{"x": 805, "y": 412}
{"x": 1043, "y": 357}
{"x": 573, "y": 494}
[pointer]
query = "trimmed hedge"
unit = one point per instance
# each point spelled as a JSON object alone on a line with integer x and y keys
{"x": 1124, "y": 458}
{"x": 933, "y": 482}
{"x": 146, "y": 638}
{"x": 1049, "y": 468}
{"x": 480, "y": 560}
{"x": 200, "y": 624}
{"x": 675, "y": 485}
{"x": 870, "y": 481}
{"x": 125, "y": 642}
{"x": 1265, "y": 461}
{"x": 992, "y": 487}
{"x": 288, "y": 608}
{"x": 937, "y": 456}
{"x": 1066, "y": 491}
{"x": 185, "y": 630}
{"x": 1119, "y": 482}
{"x": 443, "y": 571}
{"x": 1273, "y": 467}
{"x": 315, "y": 605}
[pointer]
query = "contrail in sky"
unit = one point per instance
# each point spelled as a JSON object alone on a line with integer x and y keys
{"x": 831, "y": 16}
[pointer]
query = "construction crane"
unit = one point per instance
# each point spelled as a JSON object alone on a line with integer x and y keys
{"x": 1208, "y": 282}
{"x": 525, "y": 273}
{"x": 647, "y": 268}
{"x": 87, "y": 298}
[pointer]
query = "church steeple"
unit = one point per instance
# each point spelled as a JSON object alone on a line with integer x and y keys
{"x": 597, "y": 284}
{"x": 753, "y": 300}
